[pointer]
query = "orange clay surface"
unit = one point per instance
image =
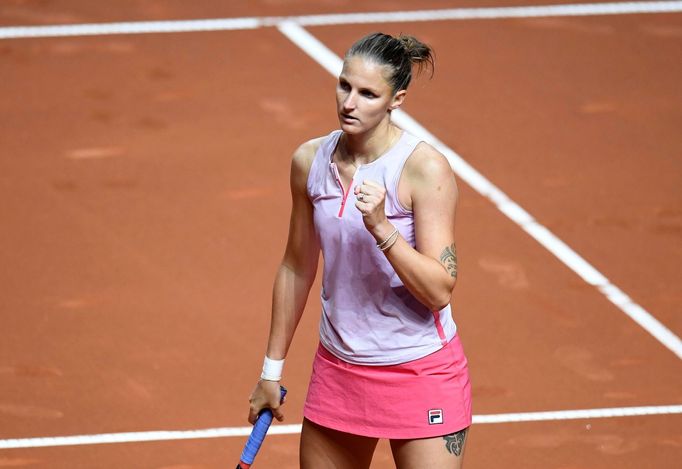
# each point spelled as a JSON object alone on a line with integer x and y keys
{"x": 144, "y": 207}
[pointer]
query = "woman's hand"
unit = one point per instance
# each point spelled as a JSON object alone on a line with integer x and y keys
{"x": 265, "y": 395}
{"x": 370, "y": 201}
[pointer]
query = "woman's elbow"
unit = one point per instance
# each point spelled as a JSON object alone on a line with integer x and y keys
{"x": 443, "y": 297}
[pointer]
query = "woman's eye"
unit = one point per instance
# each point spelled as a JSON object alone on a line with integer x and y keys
{"x": 368, "y": 94}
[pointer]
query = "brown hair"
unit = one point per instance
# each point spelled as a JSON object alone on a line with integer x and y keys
{"x": 399, "y": 54}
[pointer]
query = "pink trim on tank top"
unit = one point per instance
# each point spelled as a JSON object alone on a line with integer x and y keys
{"x": 439, "y": 327}
{"x": 345, "y": 192}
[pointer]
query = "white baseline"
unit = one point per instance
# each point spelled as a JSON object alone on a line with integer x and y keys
{"x": 137, "y": 437}
{"x": 231, "y": 24}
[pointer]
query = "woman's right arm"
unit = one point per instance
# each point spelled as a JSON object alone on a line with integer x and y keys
{"x": 294, "y": 277}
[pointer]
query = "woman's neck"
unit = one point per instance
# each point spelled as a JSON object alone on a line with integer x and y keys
{"x": 367, "y": 147}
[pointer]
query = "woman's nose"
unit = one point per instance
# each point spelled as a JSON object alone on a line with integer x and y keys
{"x": 349, "y": 102}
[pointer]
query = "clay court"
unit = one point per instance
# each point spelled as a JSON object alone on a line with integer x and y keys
{"x": 144, "y": 207}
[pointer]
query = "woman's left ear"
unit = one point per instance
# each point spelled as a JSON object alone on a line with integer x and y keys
{"x": 398, "y": 99}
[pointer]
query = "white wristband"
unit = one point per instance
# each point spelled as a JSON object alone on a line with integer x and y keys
{"x": 272, "y": 369}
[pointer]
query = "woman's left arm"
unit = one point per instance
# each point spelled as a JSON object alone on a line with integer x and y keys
{"x": 429, "y": 272}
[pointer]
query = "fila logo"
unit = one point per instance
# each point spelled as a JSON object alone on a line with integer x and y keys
{"x": 435, "y": 416}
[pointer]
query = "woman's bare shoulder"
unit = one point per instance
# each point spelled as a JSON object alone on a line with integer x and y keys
{"x": 302, "y": 159}
{"x": 305, "y": 153}
{"x": 426, "y": 162}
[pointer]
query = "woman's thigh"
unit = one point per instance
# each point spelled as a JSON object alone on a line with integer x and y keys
{"x": 323, "y": 448}
{"x": 442, "y": 452}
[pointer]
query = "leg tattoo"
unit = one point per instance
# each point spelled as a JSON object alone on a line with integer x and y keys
{"x": 455, "y": 442}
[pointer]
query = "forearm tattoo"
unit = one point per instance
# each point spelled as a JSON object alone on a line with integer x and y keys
{"x": 455, "y": 442}
{"x": 449, "y": 259}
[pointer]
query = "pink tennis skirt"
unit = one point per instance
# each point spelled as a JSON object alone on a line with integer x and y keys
{"x": 422, "y": 398}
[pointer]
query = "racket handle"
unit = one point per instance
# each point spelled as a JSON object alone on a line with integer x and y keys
{"x": 260, "y": 428}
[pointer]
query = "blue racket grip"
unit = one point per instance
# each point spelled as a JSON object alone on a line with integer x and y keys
{"x": 260, "y": 428}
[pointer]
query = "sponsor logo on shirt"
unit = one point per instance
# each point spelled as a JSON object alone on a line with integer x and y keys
{"x": 435, "y": 416}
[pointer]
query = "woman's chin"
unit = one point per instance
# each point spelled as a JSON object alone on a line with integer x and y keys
{"x": 350, "y": 128}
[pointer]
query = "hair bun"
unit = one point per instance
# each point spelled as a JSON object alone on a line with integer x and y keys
{"x": 420, "y": 53}
{"x": 399, "y": 53}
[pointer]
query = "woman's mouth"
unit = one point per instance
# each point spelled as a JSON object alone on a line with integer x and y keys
{"x": 347, "y": 118}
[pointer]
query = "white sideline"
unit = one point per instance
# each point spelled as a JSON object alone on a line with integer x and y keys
{"x": 333, "y": 63}
{"x": 231, "y": 24}
{"x": 136, "y": 437}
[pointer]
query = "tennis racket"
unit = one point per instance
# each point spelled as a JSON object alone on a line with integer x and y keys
{"x": 260, "y": 428}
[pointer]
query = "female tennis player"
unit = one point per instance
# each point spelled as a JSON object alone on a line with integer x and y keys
{"x": 380, "y": 205}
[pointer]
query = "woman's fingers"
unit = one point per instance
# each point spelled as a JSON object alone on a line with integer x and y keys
{"x": 277, "y": 413}
{"x": 369, "y": 186}
{"x": 265, "y": 395}
{"x": 370, "y": 191}
{"x": 373, "y": 184}
{"x": 253, "y": 414}
{"x": 371, "y": 197}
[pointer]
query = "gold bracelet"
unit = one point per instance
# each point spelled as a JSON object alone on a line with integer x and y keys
{"x": 393, "y": 238}
{"x": 381, "y": 244}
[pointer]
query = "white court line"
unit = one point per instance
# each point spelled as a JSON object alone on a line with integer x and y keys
{"x": 579, "y": 9}
{"x": 578, "y": 414}
{"x": 231, "y": 24}
{"x": 136, "y": 437}
{"x": 333, "y": 63}
{"x": 132, "y": 27}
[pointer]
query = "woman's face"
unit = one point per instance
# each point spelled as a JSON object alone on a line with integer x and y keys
{"x": 363, "y": 96}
